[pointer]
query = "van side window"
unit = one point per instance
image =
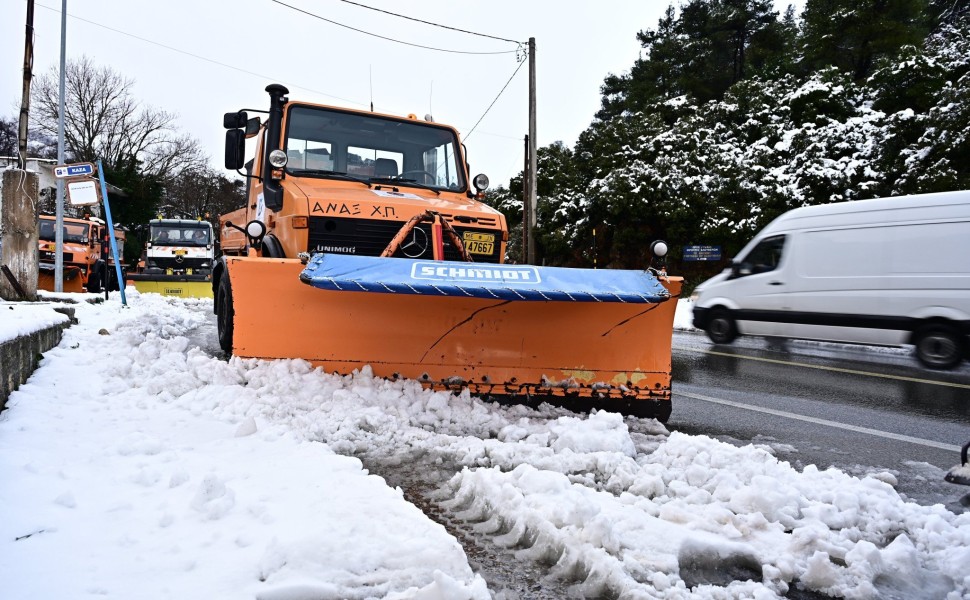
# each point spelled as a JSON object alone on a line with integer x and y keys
{"x": 764, "y": 257}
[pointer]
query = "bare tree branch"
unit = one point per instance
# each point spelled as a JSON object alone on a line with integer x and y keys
{"x": 104, "y": 120}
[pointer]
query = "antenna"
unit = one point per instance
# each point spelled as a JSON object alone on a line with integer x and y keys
{"x": 430, "y": 95}
{"x": 370, "y": 76}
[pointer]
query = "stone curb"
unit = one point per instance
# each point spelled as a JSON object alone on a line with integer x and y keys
{"x": 19, "y": 357}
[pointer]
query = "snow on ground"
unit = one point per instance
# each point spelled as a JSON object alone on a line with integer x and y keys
{"x": 135, "y": 465}
{"x": 22, "y": 318}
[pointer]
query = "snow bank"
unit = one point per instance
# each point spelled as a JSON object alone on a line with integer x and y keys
{"x": 143, "y": 467}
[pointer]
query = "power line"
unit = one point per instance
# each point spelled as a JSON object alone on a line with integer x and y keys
{"x": 266, "y": 77}
{"x": 196, "y": 56}
{"x": 387, "y": 38}
{"x": 468, "y": 135}
{"x": 387, "y": 12}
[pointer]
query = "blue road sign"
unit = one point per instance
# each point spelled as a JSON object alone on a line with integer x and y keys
{"x": 75, "y": 170}
{"x": 702, "y": 253}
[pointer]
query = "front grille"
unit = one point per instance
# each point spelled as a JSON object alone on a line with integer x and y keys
{"x": 186, "y": 263}
{"x": 364, "y": 237}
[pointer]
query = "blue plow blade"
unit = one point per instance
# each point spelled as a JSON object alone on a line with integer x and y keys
{"x": 343, "y": 272}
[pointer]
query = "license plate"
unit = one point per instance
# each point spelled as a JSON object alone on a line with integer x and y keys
{"x": 181, "y": 252}
{"x": 479, "y": 243}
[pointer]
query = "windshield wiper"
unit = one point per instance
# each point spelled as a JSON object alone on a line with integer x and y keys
{"x": 331, "y": 174}
{"x": 409, "y": 182}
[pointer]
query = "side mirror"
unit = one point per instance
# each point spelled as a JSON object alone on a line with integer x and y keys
{"x": 234, "y": 120}
{"x": 235, "y": 149}
{"x": 252, "y": 127}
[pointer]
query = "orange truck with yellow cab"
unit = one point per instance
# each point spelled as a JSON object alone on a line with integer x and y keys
{"x": 87, "y": 263}
{"x": 363, "y": 243}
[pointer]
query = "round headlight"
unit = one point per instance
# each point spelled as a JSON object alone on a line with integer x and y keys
{"x": 277, "y": 158}
{"x": 659, "y": 248}
{"x": 255, "y": 229}
{"x": 480, "y": 182}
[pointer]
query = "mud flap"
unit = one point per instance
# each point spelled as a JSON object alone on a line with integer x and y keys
{"x": 591, "y": 337}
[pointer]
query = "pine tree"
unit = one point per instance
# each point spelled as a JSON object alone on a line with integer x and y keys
{"x": 853, "y": 34}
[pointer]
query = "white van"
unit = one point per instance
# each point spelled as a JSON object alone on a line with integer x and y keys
{"x": 889, "y": 271}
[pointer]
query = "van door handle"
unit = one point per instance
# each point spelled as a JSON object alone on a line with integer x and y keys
{"x": 776, "y": 283}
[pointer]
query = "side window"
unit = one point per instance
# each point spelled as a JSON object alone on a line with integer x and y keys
{"x": 764, "y": 257}
{"x": 440, "y": 162}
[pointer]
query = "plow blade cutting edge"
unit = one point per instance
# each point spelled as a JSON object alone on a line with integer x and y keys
{"x": 72, "y": 279}
{"x": 183, "y": 286}
{"x": 575, "y": 337}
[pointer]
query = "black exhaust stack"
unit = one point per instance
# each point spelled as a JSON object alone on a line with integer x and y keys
{"x": 272, "y": 190}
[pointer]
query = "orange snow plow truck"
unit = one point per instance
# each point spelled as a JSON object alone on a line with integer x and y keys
{"x": 87, "y": 262}
{"x": 363, "y": 243}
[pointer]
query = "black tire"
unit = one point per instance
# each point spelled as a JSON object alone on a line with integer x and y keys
{"x": 94, "y": 278}
{"x": 721, "y": 327}
{"x": 272, "y": 248}
{"x": 939, "y": 346}
{"x": 224, "y": 312}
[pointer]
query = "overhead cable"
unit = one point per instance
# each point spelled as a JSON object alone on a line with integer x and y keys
{"x": 467, "y": 135}
{"x": 387, "y": 38}
{"x": 387, "y": 12}
{"x": 196, "y": 56}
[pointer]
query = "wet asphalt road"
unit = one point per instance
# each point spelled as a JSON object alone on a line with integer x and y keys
{"x": 860, "y": 409}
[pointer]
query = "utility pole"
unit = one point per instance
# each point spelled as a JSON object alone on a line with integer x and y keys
{"x": 531, "y": 196}
{"x": 25, "y": 98}
{"x": 59, "y": 229}
{"x": 531, "y": 199}
{"x": 526, "y": 213}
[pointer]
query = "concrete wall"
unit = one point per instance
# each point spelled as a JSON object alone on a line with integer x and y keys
{"x": 19, "y": 357}
{"x": 18, "y": 232}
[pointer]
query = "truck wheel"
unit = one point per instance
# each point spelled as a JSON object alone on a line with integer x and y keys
{"x": 938, "y": 346}
{"x": 94, "y": 278}
{"x": 224, "y": 312}
{"x": 721, "y": 328}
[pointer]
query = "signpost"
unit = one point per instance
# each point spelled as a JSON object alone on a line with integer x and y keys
{"x": 111, "y": 235}
{"x": 84, "y": 190}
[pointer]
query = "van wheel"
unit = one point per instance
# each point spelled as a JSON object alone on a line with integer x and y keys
{"x": 938, "y": 346}
{"x": 721, "y": 328}
{"x": 224, "y": 312}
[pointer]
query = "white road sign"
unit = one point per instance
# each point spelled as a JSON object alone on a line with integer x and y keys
{"x": 83, "y": 192}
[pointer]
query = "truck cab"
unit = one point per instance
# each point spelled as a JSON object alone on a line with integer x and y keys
{"x": 341, "y": 181}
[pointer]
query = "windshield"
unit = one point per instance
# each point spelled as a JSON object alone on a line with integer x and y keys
{"x": 180, "y": 235}
{"x": 321, "y": 141}
{"x": 73, "y": 232}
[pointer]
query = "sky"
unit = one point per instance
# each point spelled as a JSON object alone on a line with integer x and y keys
{"x": 136, "y": 464}
{"x": 199, "y": 60}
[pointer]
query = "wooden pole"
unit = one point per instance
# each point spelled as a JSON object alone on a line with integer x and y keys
{"x": 531, "y": 258}
{"x": 526, "y": 219}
